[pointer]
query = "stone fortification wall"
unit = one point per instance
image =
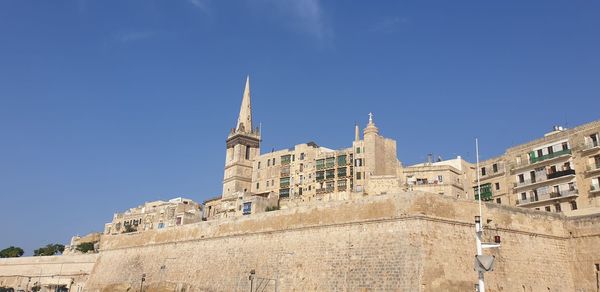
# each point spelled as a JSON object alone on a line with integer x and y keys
{"x": 584, "y": 240}
{"x": 406, "y": 242}
{"x": 395, "y": 242}
{"x": 22, "y": 273}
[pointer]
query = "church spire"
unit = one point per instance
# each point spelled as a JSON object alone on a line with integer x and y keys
{"x": 244, "y": 123}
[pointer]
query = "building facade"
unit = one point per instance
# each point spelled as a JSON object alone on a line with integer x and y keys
{"x": 557, "y": 173}
{"x": 255, "y": 182}
{"x": 451, "y": 177}
{"x": 155, "y": 215}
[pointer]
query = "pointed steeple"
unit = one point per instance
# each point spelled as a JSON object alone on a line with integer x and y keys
{"x": 244, "y": 123}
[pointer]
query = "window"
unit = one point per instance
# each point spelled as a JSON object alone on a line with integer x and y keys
{"x": 247, "y": 152}
{"x": 341, "y": 160}
{"x": 358, "y": 162}
{"x": 320, "y": 175}
{"x": 540, "y": 153}
{"x": 523, "y": 196}
{"x": 557, "y": 208}
{"x": 495, "y": 167}
{"x": 341, "y": 184}
{"x": 267, "y": 183}
{"x": 273, "y": 161}
{"x": 357, "y": 150}
{"x": 302, "y": 156}
{"x": 565, "y": 146}
{"x": 358, "y": 176}
{"x": 268, "y": 162}
{"x": 483, "y": 171}
{"x": 320, "y": 164}
{"x": 259, "y": 165}
{"x": 247, "y": 208}
{"x": 550, "y": 150}
{"x": 330, "y": 173}
{"x": 178, "y": 221}
{"x": 284, "y": 182}
{"x": 284, "y": 193}
{"x": 498, "y": 201}
{"x": 497, "y": 185}
{"x": 440, "y": 179}
{"x": 573, "y": 205}
{"x": 547, "y": 209}
{"x": 521, "y": 178}
{"x": 301, "y": 167}
{"x": 257, "y": 186}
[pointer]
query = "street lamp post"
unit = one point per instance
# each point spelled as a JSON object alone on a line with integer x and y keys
{"x": 142, "y": 282}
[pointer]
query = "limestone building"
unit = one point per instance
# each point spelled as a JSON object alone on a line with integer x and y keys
{"x": 557, "y": 173}
{"x": 155, "y": 215}
{"x": 255, "y": 182}
{"x": 451, "y": 177}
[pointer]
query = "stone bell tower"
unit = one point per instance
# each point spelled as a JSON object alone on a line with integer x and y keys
{"x": 243, "y": 146}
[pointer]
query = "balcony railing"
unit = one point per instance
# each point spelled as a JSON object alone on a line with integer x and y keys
{"x": 324, "y": 190}
{"x": 534, "y": 159}
{"x": 485, "y": 196}
{"x": 547, "y": 196}
{"x": 590, "y": 144}
{"x": 561, "y": 173}
{"x": 542, "y": 178}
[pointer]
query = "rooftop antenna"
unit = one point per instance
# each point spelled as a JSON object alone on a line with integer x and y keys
{"x": 478, "y": 178}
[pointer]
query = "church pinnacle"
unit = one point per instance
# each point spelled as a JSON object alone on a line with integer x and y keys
{"x": 244, "y": 123}
{"x": 371, "y": 128}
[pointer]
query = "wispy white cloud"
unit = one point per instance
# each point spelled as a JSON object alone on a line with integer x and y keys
{"x": 306, "y": 16}
{"x": 388, "y": 24}
{"x": 132, "y": 36}
{"x": 201, "y": 4}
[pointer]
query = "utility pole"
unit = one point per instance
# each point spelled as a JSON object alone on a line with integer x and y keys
{"x": 478, "y": 232}
{"x": 483, "y": 263}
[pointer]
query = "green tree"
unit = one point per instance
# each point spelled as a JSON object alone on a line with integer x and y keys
{"x": 49, "y": 250}
{"x": 85, "y": 247}
{"x": 11, "y": 252}
{"x": 273, "y": 208}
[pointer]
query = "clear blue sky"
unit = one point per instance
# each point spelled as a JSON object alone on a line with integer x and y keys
{"x": 107, "y": 104}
